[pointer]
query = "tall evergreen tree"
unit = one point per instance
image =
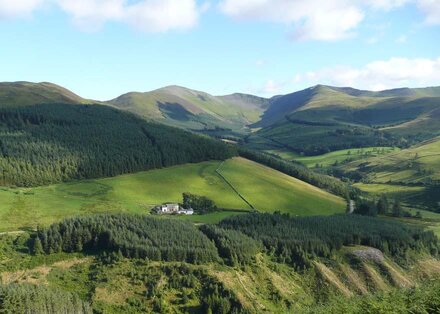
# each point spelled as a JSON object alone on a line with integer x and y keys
{"x": 382, "y": 205}
{"x": 397, "y": 209}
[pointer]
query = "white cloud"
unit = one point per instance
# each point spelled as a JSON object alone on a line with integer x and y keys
{"x": 146, "y": 15}
{"x": 313, "y": 19}
{"x": 18, "y": 8}
{"x": 318, "y": 19}
{"x": 91, "y": 14}
{"x": 378, "y": 75}
{"x": 386, "y": 4}
{"x": 431, "y": 9}
{"x": 162, "y": 15}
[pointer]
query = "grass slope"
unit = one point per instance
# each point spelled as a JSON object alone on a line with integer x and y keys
{"x": 418, "y": 164}
{"x": 411, "y": 175}
{"x": 195, "y": 110}
{"x": 339, "y": 156}
{"x": 266, "y": 188}
{"x": 269, "y": 190}
{"x": 324, "y": 118}
{"x": 26, "y": 93}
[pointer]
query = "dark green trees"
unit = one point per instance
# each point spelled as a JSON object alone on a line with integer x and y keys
{"x": 298, "y": 240}
{"x": 397, "y": 209}
{"x": 382, "y": 205}
{"x": 200, "y": 204}
{"x": 45, "y": 144}
{"x": 235, "y": 247}
{"x": 40, "y": 299}
{"x": 365, "y": 208}
{"x": 37, "y": 247}
{"x": 133, "y": 235}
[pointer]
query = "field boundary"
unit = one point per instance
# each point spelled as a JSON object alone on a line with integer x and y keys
{"x": 232, "y": 186}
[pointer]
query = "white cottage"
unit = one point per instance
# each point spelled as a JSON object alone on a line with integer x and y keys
{"x": 173, "y": 209}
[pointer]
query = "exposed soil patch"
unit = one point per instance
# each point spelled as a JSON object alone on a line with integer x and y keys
{"x": 369, "y": 254}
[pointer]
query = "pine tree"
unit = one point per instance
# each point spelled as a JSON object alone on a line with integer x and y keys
{"x": 382, "y": 205}
{"x": 38, "y": 247}
{"x": 397, "y": 209}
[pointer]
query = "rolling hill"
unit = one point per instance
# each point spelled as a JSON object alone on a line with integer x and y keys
{"x": 194, "y": 110}
{"x": 411, "y": 175}
{"x": 267, "y": 189}
{"x": 321, "y": 119}
{"x": 313, "y": 121}
{"x": 419, "y": 164}
{"x": 50, "y": 143}
{"x": 26, "y": 93}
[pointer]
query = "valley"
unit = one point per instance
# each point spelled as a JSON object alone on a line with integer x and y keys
{"x": 79, "y": 179}
{"x": 219, "y": 157}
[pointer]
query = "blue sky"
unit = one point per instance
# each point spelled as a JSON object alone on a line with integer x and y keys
{"x": 103, "y": 48}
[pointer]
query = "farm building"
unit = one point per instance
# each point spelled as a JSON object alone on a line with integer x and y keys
{"x": 172, "y": 209}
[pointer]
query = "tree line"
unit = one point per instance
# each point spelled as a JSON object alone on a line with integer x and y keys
{"x": 201, "y": 204}
{"x": 17, "y": 298}
{"x": 233, "y": 246}
{"x": 135, "y": 236}
{"x": 293, "y": 240}
{"x": 298, "y": 240}
{"x": 44, "y": 144}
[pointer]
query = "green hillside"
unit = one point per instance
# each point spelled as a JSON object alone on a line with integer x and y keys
{"x": 322, "y": 119}
{"x": 266, "y": 189}
{"x": 336, "y": 157}
{"x": 248, "y": 264}
{"x": 195, "y": 110}
{"x": 50, "y": 143}
{"x": 26, "y": 93}
{"x": 419, "y": 164}
{"x": 411, "y": 175}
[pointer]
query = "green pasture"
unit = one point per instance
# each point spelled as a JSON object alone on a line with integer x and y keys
{"x": 337, "y": 157}
{"x": 266, "y": 188}
{"x": 344, "y": 155}
{"x": 269, "y": 190}
{"x": 417, "y": 164}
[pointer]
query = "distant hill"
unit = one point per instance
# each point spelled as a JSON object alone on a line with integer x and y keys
{"x": 321, "y": 96}
{"x": 194, "y": 110}
{"x": 321, "y": 119}
{"x": 419, "y": 164}
{"x": 411, "y": 175}
{"x": 312, "y": 121}
{"x": 27, "y": 93}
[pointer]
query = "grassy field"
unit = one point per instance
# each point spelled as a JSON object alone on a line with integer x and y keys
{"x": 269, "y": 190}
{"x": 266, "y": 188}
{"x": 410, "y": 196}
{"x": 339, "y": 156}
{"x": 418, "y": 164}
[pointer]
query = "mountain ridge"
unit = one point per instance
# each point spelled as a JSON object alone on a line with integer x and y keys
{"x": 404, "y": 112}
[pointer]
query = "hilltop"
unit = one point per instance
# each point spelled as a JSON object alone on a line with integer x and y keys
{"x": 321, "y": 119}
{"x": 313, "y": 121}
{"x": 195, "y": 110}
{"x": 27, "y": 93}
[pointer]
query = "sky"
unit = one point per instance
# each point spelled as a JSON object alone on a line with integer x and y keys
{"x": 101, "y": 49}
